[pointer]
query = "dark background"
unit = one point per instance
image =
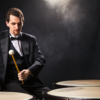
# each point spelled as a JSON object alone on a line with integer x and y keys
{"x": 68, "y": 35}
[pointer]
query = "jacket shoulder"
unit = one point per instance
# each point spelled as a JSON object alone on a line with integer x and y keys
{"x": 3, "y": 34}
{"x": 29, "y": 36}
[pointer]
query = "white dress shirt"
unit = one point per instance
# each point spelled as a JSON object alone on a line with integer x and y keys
{"x": 17, "y": 44}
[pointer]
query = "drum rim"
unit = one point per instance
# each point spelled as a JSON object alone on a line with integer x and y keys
{"x": 15, "y": 93}
{"x": 59, "y": 85}
{"x": 52, "y": 96}
{"x": 65, "y": 86}
{"x": 64, "y": 98}
{"x": 56, "y": 96}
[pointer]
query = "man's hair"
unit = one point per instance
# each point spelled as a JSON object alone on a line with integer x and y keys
{"x": 16, "y": 12}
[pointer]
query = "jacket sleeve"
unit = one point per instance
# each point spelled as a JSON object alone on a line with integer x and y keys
{"x": 39, "y": 60}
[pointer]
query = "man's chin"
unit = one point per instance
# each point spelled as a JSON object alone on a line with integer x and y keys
{"x": 16, "y": 33}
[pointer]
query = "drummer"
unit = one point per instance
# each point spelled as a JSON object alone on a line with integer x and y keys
{"x": 27, "y": 54}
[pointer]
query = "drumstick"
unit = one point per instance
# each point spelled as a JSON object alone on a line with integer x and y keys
{"x": 11, "y": 52}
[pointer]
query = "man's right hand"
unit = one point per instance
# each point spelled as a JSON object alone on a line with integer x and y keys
{"x": 24, "y": 74}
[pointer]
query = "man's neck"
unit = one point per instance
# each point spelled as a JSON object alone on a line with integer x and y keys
{"x": 14, "y": 35}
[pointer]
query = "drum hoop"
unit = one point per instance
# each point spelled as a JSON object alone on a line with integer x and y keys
{"x": 65, "y": 86}
{"x": 56, "y": 97}
{"x": 67, "y": 98}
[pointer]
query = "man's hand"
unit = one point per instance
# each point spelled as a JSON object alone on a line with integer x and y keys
{"x": 24, "y": 74}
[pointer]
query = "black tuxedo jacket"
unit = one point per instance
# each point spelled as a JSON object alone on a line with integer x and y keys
{"x": 34, "y": 58}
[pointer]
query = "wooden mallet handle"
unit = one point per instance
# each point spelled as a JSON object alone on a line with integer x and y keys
{"x": 11, "y": 52}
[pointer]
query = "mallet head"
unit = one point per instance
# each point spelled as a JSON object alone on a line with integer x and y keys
{"x": 11, "y": 52}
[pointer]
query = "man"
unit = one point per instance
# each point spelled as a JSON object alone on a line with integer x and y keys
{"x": 27, "y": 54}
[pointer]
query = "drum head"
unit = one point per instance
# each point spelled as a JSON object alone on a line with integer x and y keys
{"x": 14, "y": 96}
{"x": 76, "y": 93}
{"x": 79, "y": 83}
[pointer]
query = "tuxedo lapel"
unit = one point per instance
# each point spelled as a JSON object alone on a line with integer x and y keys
{"x": 25, "y": 48}
{"x": 25, "y": 45}
{"x": 4, "y": 48}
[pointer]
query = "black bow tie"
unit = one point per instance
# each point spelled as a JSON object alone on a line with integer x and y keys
{"x": 18, "y": 38}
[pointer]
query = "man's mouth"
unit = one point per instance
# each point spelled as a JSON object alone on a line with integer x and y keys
{"x": 16, "y": 30}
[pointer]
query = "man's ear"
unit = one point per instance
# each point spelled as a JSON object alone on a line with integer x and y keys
{"x": 7, "y": 23}
{"x": 22, "y": 23}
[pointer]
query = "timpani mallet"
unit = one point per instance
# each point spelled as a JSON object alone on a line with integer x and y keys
{"x": 11, "y": 52}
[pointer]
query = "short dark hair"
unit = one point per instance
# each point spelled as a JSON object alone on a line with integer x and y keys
{"x": 16, "y": 12}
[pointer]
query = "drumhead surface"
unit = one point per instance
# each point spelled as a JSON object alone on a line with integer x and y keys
{"x": 77, "y": 92}
{"x": 80, "y": 83}
{"x": 14, "y": 96}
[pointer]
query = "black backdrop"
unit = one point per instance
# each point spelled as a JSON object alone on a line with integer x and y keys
{"x": 68, "y": 35}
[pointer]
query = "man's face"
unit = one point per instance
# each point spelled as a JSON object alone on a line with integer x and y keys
{"x": 15, "y": 25}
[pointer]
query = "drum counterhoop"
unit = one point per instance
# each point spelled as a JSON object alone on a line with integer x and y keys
{"x": 75, "y": 93}
{"x": 14, "y": 96}
{"x": 78, "y": 83}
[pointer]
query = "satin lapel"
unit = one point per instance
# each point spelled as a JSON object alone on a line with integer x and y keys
{"x": 4, "y": 47}
{"x": 25, "y": 45}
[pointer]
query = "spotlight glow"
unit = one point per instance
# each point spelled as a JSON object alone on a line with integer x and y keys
{"x": 56, "y": 3}
{"x": 67, "y": 9}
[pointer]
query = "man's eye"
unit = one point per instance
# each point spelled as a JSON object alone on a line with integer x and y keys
{"x": 13, "y": 23}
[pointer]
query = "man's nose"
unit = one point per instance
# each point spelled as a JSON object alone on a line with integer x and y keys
{"x": 16, "y": 26}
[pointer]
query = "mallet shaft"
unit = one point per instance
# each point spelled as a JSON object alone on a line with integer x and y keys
{"x": 16, "y": 66}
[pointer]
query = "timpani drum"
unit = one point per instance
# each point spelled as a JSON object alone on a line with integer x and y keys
{"x": 78, "y": 83}
{"x": 75, "y": 93}
{"x": 14, "y": 96}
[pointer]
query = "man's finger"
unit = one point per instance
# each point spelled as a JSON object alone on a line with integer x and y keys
{"x": 22, "y": 72}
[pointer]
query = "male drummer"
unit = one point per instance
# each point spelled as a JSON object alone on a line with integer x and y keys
{"x": 27, "y": 55}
